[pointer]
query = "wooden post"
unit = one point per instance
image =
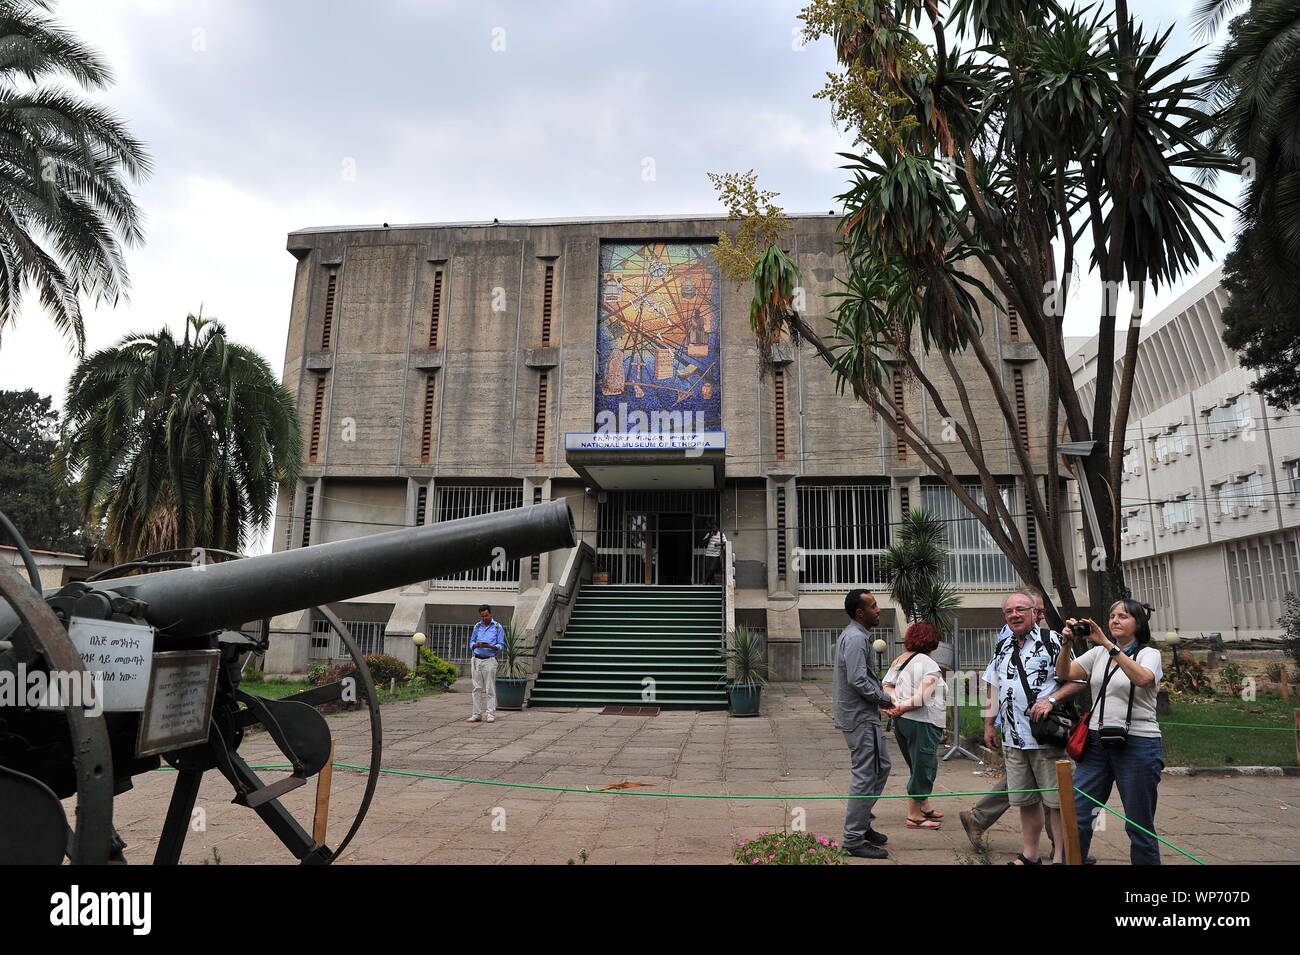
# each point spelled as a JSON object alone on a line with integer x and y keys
{"x": 1295, "y": 716}
{"x": 1069, "y": 821}
{"x": 324, "y": 783}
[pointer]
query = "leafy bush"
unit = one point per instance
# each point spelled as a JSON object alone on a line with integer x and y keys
{"x": 789, "y": 848}
{"x": 253, "y": 675}
{"x": 1230, "y": 679}
{"x": 434, "y": 670}
{"x": 385, "y": 668}
{"x": 316, "y": 674}
{"x": 1290, "y": 624}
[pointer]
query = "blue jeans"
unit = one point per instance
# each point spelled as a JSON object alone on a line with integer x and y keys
{"x": 1135, "y": 769}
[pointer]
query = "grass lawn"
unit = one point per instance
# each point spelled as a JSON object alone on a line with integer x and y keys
{"x": 274, "y": 689}
{"x": 1203, "y": 746}
{"x": 1211, "y": 746}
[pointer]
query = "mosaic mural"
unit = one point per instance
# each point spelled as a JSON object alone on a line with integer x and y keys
{"x": 658, "y": 338}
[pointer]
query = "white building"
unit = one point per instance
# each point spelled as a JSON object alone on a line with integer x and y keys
{"x": 1211, "y": 479}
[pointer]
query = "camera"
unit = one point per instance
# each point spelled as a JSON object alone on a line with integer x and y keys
{"x": 1080, "y": 629}
{"x": 1113, "y": 737}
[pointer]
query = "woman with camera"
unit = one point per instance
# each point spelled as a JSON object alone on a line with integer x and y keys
{"x": 1124, "y": 747}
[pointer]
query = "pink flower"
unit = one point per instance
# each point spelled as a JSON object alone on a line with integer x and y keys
{"x": 755, "y": 860}
{"x": 812, "y": 852}
{"x": 771, "y": 857}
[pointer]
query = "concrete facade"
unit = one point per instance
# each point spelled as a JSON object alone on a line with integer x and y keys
{"x": 1211, "y": 482}
{"x": 377, "y": 459}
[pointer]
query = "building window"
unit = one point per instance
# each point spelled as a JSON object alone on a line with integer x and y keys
{"x": 974, "y": 561}
{"x": 317, "y": 420}
{"x": 435, "y": 313}
{"x": 327, "y": 325}
{"x": 1229, "y": 419}
{"x": 1248, "y": 492}
{"x": 1132, "y": 462}
{"x": 548, "y": 295}
{"x": 1173, "y": 513}
{"x": 1022, "y": 416}
{"x": 778, "y": 391}
{"x": 539, "y": 437}
{"x": 1013, "y": 322}
{"x": 307, "y": 508}
{"x": 843, "y": 529}
{"x": 426, "y": 420}
{"x": 1293, "y": 477}
{"x": 1173, "y": 442}
{"x": 456, "y": 501}
{"x": 900, "y": 445}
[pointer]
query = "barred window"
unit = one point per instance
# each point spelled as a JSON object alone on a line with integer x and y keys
{"x": 843, "y": 530}
{"x": 974, "y": 560}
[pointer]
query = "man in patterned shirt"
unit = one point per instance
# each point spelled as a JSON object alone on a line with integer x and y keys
{"x": 1022, "y": 684}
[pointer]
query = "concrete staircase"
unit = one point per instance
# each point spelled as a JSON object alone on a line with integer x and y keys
{"x": 618, "y": 636}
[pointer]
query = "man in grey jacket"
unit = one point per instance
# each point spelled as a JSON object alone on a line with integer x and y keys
{"x": 858, "y": 697}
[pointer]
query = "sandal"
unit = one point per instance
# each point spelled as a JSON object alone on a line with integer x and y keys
{"x": 923, "y": 823}
{"x": 1021, "y": 860}
{"x": 932, "y": 813}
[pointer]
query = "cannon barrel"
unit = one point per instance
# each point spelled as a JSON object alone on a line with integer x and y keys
{"x": 217, "y": 596}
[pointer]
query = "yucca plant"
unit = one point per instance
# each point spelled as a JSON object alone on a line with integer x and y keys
{"x": 511, "y": 658}
{"x": 914, "y": 564}
{"x": 747, "y": 656}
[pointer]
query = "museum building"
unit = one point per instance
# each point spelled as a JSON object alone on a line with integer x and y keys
{"x": 454, "y": 369}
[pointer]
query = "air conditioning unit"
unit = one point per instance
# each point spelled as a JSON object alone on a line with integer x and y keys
{"x": 1240, "y": 510}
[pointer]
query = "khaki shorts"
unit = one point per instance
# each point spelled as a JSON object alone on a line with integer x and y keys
{"x": 1033, "y": 769}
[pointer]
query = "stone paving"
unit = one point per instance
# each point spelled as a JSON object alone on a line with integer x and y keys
{"x": 792, "y": 751}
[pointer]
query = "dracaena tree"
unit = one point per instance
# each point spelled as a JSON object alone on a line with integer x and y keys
{"x": 1021, "y": 137}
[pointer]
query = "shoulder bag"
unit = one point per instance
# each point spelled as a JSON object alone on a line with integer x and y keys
{"x": 1053, "y": 729}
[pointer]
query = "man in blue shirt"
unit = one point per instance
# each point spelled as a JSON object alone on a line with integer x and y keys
{"x": 485, "y": 642}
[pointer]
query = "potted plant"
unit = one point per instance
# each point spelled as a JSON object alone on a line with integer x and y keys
{"x": 745, "y": 653}
{"x": 512, "y": 671}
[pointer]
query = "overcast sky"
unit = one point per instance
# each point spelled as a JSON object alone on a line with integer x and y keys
{"x": 262, "y": 118}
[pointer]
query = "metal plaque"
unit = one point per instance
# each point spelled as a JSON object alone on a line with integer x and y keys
{"x": 179, "y": 706}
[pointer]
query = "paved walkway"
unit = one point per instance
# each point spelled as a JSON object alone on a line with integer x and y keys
{"x": 792, "y": 751}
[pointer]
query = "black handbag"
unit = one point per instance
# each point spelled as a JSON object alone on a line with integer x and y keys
{"x": 1055, "y": 728}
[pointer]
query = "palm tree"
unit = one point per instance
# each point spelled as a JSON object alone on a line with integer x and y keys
{"x": 179, "y": 443}
{"x": 63, "y": 202}
{"x": 914, "y": 567}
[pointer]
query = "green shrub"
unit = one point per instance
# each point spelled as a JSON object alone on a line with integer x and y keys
{"x": 1230, "y": 679}
{"x": 434, "y": 670}
{"x": 253, "y": 675}
{"x": 384, "y": 668}
{"x": 316, "y": 674}
{"x": 1290, "y": 624}
{"x": 789, "y": 848}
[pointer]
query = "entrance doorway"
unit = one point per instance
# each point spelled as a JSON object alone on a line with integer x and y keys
{"x": 676, "y": 543}
{"x": 655, "y": 537}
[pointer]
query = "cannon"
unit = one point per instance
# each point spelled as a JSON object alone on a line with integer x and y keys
{"x": 177, "y": 638}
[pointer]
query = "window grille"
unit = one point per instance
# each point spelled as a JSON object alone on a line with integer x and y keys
{"x": 842, "y": 532}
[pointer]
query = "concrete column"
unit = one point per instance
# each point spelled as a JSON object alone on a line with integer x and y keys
{"x": 318, "y": 506}
{"x": 290, "y": 643}
{"x": 532, "y": 484}
{"x": 784, "y": 640}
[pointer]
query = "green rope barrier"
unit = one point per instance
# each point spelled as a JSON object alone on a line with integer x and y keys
{"x": 614, "y": 792}
{"x": 1233, "y": 726}
{"x": 1136, "y": 826}
{"x": 638, "y": 792}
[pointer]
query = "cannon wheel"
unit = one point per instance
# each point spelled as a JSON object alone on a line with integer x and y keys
{"x": 41, "y": 635}
{"x": 172, "y": 559}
